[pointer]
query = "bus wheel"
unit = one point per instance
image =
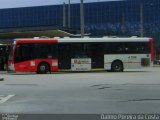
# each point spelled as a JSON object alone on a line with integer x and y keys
{"x": 117, "y": 66}
{"x": 43, "y": 68}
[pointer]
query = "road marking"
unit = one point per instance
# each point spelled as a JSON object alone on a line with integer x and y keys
{"x": 3, "y": 98}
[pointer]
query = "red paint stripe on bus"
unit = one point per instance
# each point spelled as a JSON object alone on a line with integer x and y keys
{"x": 36, "y": 41}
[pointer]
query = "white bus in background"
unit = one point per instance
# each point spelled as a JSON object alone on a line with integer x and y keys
{"x": 81, "y": 54}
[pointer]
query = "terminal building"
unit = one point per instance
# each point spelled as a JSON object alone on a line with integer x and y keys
{"x": 107, "y": 18}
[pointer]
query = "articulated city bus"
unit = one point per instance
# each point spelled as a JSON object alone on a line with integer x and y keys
{"x": 80, "y": 54}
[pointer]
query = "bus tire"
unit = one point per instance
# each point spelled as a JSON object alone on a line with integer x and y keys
{"x": 117, "y": 66}
{"x": 43, "y": 68}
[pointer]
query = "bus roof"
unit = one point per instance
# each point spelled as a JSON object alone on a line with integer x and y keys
{"x": 85, "y": 39}
{"x": 104, "y": 39}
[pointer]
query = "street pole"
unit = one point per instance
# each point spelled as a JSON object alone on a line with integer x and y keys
{"x": 69, "y": 14}
{"x": 64, "y": 14}
{"x": 141, "y": 19}
{"x": 123, "y": 23}
{"x": 82, "y": 18}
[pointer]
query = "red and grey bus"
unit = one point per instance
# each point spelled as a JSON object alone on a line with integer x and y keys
{"x": 80, "y": 54}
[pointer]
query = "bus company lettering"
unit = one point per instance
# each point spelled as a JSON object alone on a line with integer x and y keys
{"x": 82, "y": 61}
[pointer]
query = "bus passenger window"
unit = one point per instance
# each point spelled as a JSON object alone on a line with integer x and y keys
{"x": 22, "y": 53}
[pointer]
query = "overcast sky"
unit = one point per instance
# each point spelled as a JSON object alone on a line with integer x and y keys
{"x": 26, "y": 3}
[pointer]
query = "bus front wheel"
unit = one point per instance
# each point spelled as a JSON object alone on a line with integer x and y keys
{"x": 117, "y": 66}
{"x": 43, "y": 68}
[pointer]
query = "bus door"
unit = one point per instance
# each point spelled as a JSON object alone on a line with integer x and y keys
{"x": 64, "y": 56}
{"x": 22, "y": 57}
{"x": 97, "y": 55}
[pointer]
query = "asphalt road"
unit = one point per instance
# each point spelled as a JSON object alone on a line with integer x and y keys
{"x": 134, "y": 91}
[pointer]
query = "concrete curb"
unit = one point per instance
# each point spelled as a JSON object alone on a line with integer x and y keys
{"x": 156, "y": 65}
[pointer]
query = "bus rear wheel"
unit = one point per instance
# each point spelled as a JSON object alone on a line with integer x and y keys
{"x": 43, "y": 68}
{"x": 117, "y": 66}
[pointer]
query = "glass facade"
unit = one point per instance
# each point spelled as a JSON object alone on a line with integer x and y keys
{"x": 31, "y": 16}
{"x": 121, "y": 17}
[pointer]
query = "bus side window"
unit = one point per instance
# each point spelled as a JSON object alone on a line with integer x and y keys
{"x": 114, "y": 48}
{"x": 142, "y": 48}
{"x": 17, "y": 57}
{"x": 22, "y": 53}
{"x": 127, "y": 48}
{"x": 51, "y": 51}
{"x": 136, "y": 48}
{"x": 119, "y": 48}
{"x": 48, "y": 50}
